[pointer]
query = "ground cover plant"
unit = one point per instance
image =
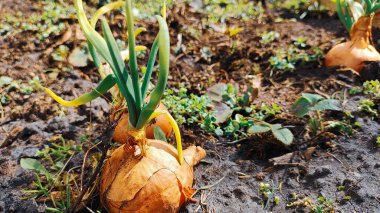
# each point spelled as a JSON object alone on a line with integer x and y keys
{"x": 245, "y": 81}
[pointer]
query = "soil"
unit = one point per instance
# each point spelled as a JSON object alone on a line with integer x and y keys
{"x": 313, "y": 167}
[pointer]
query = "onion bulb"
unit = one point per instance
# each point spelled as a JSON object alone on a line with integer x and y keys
{"x": 121, "y": 130}
{"x": 354, "y": 53}
{"x": 155, "y": 182}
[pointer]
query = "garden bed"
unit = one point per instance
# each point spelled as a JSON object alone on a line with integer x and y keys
{"x": 333, "y": 170}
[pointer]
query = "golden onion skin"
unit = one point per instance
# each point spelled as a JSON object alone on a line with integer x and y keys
{"x": 153, "y": 183}
{"x": 354, "y": 53}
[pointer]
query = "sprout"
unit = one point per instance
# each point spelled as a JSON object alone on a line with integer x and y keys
{"x": 126, "y": 77}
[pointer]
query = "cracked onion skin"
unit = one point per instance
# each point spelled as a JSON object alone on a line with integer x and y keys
{"x": 162, "y": 121}
{"x": 155, "y": 182}
{"x": 354, "y": 53}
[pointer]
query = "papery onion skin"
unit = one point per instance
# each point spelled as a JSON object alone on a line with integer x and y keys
{"x": 354, "y": 53}
{"x": 121, "y": 130}
{"x": 153, "y": 183}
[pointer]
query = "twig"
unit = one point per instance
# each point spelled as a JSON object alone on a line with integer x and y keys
{"x": 208, "y": 186}
{"x": 5, "y": 122}
{"x": 2, "y": 114}
{"x": 106, "y": 141}
{"x": 330, "y": 154}
{"x": 378, "y": 199}
{"x": 237, "y": 141}
{"x": 202, "y": 202}
{"x": 84, "y": 162}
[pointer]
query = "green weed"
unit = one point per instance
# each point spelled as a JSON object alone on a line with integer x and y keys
{"x": 224, "y": 112}
{"x": 269, "y": 37}
{"x": 54, "y": 184}
{"x": 312, "y": 105}
{"x": 369, "y": 107}
{"x": 46, "y": 24}
{"x": 287, "y": 60}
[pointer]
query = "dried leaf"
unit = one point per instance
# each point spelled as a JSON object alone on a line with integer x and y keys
{"x": 215, "y": 93}
{"x": 222, "y": 112}
{"x": 235, "y": 31}
{"x": 78, "y": 57}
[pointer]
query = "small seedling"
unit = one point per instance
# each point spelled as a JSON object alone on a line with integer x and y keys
{"x": 372, "y": 88}
{"x": 281, "y": 133}
{"x": 287, "y": 60}
{"x": 325, "y": 205}
{"x": 312, "y": 105}
{"x": 268, "y": 194}
{"x": 300, "y": 42}
{"x": 320, "y": 206}
{"x": 269, "y": 37}
{"x": 369, "y": 107}
{"x": 60, "y": 53}
{"x": 347, "y": 198}
{"x": 341, "y": 188}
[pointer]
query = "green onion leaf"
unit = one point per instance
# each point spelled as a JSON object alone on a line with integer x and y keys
{"x": 120, "y": 72}
{"x": 94, "y": 55}
{"x": 149, "y": 68}
{"x": 164, "y": 54}
{"x": 92, "y": 36}
{"x": 105, "y": 9}
{"x": 102, "y": 88}
{"x": 375, "y": 7}
{"x": 132, "y": 55}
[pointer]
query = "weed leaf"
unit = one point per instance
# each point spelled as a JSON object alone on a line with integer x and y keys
{"x": 312, "y": 98}
{"x": 301, "y": 107}
{"x": 284, "y": 135}
{"x": 159, "y": 134}
{"x": 313, "y": 102}
{"x": 33, "y": 164}
{"x": 327, "y": 104}
{"x": 260, "y": 128}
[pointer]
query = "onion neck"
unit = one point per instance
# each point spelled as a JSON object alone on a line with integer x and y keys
{"x": 137, "y": 137}
{"x": 361, "y": 31}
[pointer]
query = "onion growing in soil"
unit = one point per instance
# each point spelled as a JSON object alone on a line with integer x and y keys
{"x": 354, "y": 53}
{"x": 142, "y": 175}
{"x": 155, "y": 182}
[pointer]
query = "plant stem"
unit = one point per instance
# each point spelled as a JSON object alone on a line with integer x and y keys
{"x": 320, "y": 121}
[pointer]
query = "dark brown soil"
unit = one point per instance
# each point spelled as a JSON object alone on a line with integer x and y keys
{"x": 352, "y": 161}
